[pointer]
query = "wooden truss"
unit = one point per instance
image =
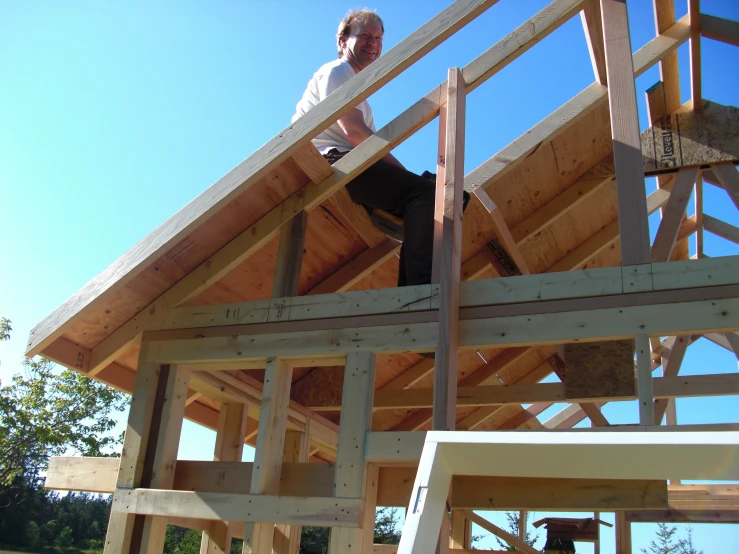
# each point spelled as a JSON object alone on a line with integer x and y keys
{"x": 239, "y": 323}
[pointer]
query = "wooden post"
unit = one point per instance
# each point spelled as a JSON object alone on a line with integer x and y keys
{"x": 229, "y": 448}
{"x": 165, "y": 442}
{"x": 351, "y": 469}
{"x": 522, "y": 523}
{"x": 695, "y": 54}
{"x": 596, "y": 546}
{"x": 297, "y": 449}
{"x": 290, "y": 256}
{"x": 458, "y": 535}
{"x": 259, "y": 537}
{"x": 445, "y": 373}
{"x": 623, "y": 534}
{"x": 632, "y": 205}
{"x": 145, "y": 408}
{"x": 644, "y": 379}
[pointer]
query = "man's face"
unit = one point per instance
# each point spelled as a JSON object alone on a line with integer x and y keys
{"x": 364, "y": 43}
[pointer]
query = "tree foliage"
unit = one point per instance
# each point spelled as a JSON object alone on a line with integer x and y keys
{"x": 514, "y": 523}
{"x": 667, "y": 542}
{"x": 49, "y": 412}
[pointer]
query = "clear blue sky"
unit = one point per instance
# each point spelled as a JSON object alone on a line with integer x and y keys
{"x": 114, "y": 115}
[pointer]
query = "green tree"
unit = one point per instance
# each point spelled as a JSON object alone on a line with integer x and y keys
{"x": 514, "y": 523}
{"x": 49, "y": 412}
{"x": 666, "y": 541}
{"x": 64, "y": 540}
{"x": 386, "y": 526}
{"x": 686, "y": 544}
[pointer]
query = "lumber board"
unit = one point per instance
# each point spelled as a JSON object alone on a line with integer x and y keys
{"x": 450, "y": 261}
{"x": 673, "y": 214}
{"x": 600, "y": 369}
{"x": 682, "y": 516}
{"x": 721, "y": 228}
{"x": 664, "y": 18}
{"x": 717, "y": 28}
{"x": 288, "y": 142}
{"x": 695, "y": 54}
{"x": 290, "y": 256}
{"x": 320, "y": 512}
{"x": 632, "y": 209}
{"x": 500, "y": 533}
{"x": 593, "y": 27}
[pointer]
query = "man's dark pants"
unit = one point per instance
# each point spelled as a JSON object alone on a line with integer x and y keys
{"x": 388, "y": 187}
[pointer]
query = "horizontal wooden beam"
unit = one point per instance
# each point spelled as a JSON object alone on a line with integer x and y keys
{"x": 717, "y": 28}
{"x": 319, "y": 512}
{"x": 663, "y": 387}
{"x": 394, "y": 485}
{"x": 682, "y": 516}
{"x": 676, "y": 312}
{"x": 721, "y": 228}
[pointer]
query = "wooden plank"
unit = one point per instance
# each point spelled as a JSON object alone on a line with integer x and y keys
{"x": 695, "y": 54}
{"x": 632, "y": 209}
{"x": 145, "y": 408}
{"x": 165, "y": 447}
{"x": 356, "y": 422}
{"x": 290, "y": 256}
{"x": 287, "y": 143}
{"x": 672, "y": 359}
{"x": 644, "y": 377}
{"x": 297, "y": 450}
{"x": 593, "y": 27}
{"x": 717, "y": 28}
{"x": 500, "y": 533}
{"x": 673, "y": 214}
{"x": 682, "y": 516}
{"x": 445, "y": 374}
{"x": 721, "y": 228}
{"x": 623, "y": 534}
{"x": 229, "y": 447}
{"x": 502, "y": 231}
{"x": 320, "y": 512}
{"x": 728, "y": 176}
{"x": 265, "y": 478}
{"x": 312, "y": 163}
{"x": 664, "y": 18}
{"x": 68, "y": 473}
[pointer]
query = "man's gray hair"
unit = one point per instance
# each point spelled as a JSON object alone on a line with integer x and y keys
{"x": 352, "y": 16}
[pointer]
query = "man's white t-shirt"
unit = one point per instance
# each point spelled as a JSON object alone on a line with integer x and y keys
{"x": 326, "y": 80}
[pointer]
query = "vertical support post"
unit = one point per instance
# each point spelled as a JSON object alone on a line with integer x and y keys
{"x": 290, "y": 256}
{"x": 165, "y": 444}
{"x": 439, "y": 203}
{"x": 695, "y": 54}
{"x": 596, "y": 546}
{"x": 458, "y": 533}
{"x": 297, "y": 449}
{"x": 632, "y": 199}
{"x": 522, "y": 523}
{"x": 623, "y": 534}
{"x": 351, "y": 469}
{"x": 265, "y": 479}
{"x": 229, "y": 448}
{"x": 445, "y": 373}
{"x": 699, "y": 216}
{"x": 145, "y": 408}
{"x": 644, "y": 379}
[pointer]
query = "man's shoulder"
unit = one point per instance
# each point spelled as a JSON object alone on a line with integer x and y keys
{"x": 334, "y": 67}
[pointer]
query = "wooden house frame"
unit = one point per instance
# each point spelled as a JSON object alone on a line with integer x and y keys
{"x": 265, "y": 309}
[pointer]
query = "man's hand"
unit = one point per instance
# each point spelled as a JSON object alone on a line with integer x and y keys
{"x": 353, "y": 126}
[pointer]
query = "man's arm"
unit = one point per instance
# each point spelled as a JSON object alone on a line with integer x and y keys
{"x": 357, "y": 132}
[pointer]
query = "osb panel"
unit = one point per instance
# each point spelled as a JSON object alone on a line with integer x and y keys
{"x": 600, "y": 369}
{"x": 118, "y": 307}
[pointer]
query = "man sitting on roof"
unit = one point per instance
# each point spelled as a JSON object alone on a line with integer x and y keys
{"x": 386, "y": 185}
